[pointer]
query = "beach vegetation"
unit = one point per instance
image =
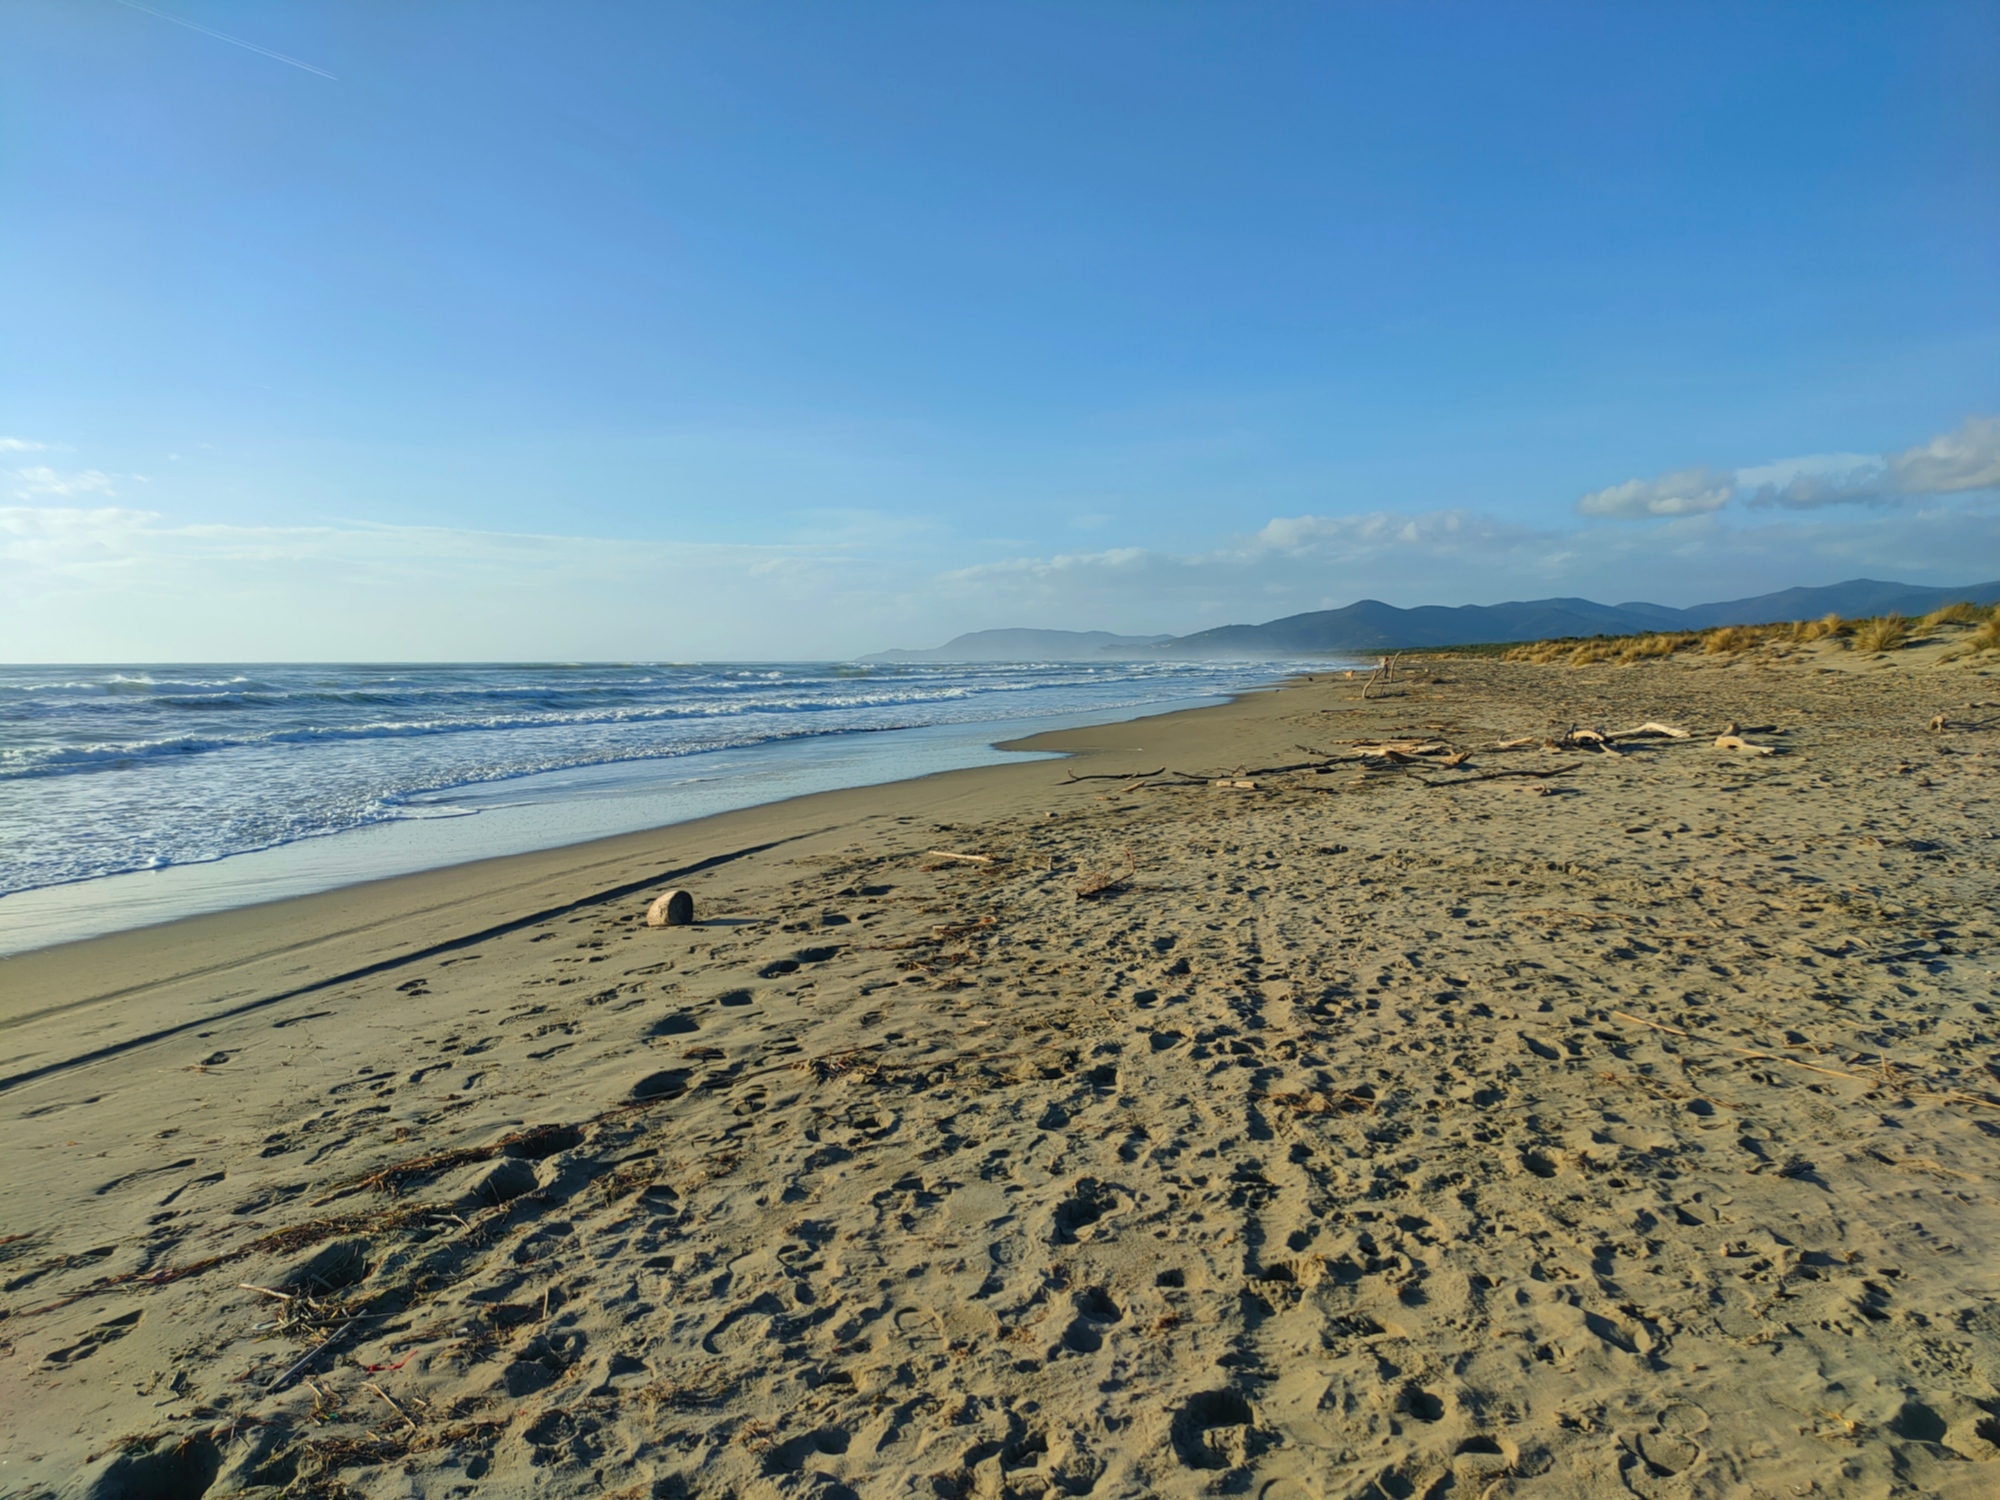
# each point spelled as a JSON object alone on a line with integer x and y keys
{"x": 1652, "y": 647}
{"x": 1728, "y": 640}
{"x": 1961, "y": 613}
{"x": 1774, "y": 641}
{"x": 1883, "y": 633}
{"x": 1985, "y": 638}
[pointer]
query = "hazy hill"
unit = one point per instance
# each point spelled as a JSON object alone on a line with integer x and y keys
{"x": 1855, "y": 599}
{"x": 1372, "y": 626}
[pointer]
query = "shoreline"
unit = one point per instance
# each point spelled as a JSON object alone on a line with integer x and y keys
{"x": 1556, "y": 1123}
{"x": 532, "y": 813}
{"x": 347, "y": 926}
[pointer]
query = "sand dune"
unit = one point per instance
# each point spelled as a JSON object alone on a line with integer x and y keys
{"x": 1364, "y": 1133}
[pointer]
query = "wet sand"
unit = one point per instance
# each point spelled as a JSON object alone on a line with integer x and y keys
{"x": 1368, "y": 1130}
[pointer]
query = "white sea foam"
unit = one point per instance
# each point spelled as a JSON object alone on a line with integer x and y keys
{"x": 133, "y": 768}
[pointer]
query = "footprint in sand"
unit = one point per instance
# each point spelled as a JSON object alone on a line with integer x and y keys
{"x": 1483, "y": 1457}
{"x": 1095, "y": 1313}
{"x": 1667, "y": 1453}
{"x": 1413, "y": 1400}
{"x": 1079, "y": 1216}
{"x": 104, "y": 1333}
{"x": 1217, "y": 1430}
{"x": 920, "y": 1329}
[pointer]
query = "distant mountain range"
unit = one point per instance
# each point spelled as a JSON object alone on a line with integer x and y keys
{"x": 1372, "y": 626}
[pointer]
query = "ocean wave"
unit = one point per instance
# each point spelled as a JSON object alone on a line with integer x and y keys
{"x": 65, "y": 759}
{"x": 329, "y": 818}
{"x": 206, "y": 763}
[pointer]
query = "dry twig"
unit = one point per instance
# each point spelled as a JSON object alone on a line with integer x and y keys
{"x": 1496, "y": 775}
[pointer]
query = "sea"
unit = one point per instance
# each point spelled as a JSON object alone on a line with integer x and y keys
{"x": 131, "y": 795}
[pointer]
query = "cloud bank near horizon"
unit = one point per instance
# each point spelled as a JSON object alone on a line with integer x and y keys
{"x": 1965, "y": 459}
{"x": 110, "y": 581}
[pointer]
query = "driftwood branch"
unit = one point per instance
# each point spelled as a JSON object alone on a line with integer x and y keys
{"x": 1118, "y": 775}
{"x": 1385, "y": 672}
{"x": 1650, "y": 729}
{"x": 1244, "y": 772}
{"x": 1496, "y": 775}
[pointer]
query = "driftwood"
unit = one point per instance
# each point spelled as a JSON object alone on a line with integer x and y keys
{"x": 970, "y": 859}
{"x": 1574, "y": 738}
{"x": 1118, "y": 775}
{"x": 1385, "y": 671}
{"x": 1650, "y": 729}
{"x": 1190, "y": 778}
{"x": 1737, "y": 742}
{"x": 1496, "y": 775}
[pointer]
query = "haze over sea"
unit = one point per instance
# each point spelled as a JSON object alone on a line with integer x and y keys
{"x": 284, "y": 779}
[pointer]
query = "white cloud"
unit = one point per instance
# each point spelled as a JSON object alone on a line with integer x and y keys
{"x": 85, "y": 578}
{"x": 1953, "y": 462}
{"x": 1290, "y": 565}
{"x": 20, "y": 445}
{"x": 113, "y": 583}
{"x": 1865, "y": 484}
{"x": 1440, "y": 531}
{"x": 1684, "y": 492}
{"x": 1783, "y": 471}
{"x": 40, "y": 482}
{"x": 1296, "y": 564}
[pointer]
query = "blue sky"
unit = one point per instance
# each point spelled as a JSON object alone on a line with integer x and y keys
{"x": 611, "y": 331}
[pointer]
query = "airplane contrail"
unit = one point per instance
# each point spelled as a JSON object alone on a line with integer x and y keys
{"x": 226, "y": 37}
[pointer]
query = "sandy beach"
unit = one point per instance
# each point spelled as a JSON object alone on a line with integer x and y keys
{"x": 1558, "y": 1122}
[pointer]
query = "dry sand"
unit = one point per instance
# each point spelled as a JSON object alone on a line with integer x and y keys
{"x": 1324, "y": 1153}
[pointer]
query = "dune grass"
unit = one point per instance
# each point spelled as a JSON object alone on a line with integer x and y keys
{"x": 1876, "y": 636}
{"x": 1883, "y": 633}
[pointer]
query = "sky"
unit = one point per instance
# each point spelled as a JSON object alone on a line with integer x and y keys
{"x": 480, "y": 330}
